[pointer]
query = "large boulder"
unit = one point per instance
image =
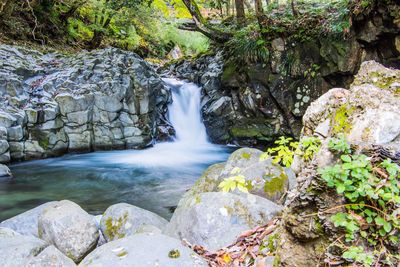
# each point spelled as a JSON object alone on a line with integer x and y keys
{"x": 16, "y": 249}
{"x": 50, "y": 257}
{"x": 27, "y": 223}
{"x": 121, "y": 220}
{"x": 216, "y": 219}
{"x": 69, "y": 228}
{"x": 143, "y": 250}
{"x": 263, "y": 177}
{"x": 367, "y": 113}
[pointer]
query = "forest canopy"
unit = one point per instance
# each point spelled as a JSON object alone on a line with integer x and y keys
{"x": 153, "y": 28}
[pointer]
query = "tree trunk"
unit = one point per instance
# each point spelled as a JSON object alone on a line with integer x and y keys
{"x": 248, "y": 6}
{"x": 201, "y": 24}
{"x": 240, "y": 15}
{"x": 259, "y": 8}
{"x": 294, "y": 9}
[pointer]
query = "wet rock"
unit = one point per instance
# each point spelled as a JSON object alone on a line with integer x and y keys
{"x": 16, "y": 249}
{"x": 69, "y": 228}
{"x": 27, "y": 223}
{"x": 143, "y": 250}
{"x": 214, "y": 220}
{"x": 4, "y": 172}
{"x": 121, "y": 220}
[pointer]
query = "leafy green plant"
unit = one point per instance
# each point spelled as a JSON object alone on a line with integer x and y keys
{"x": 357, "y": 254}
{"x": 283, "y": 153}
{"x": 308, "y": 147}
{"x": 371, "y": 190}
{"x": 339, "y": 145}
{"x": 237, "y": 181}
{"x": 247, "y": 45}
{"x": 286, "y": 148}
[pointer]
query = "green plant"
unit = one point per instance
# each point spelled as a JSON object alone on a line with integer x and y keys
{"x": 371, "y": 190}
{"x": 339, "y": 145}
{"x": 285, "y": 150}
{"x": 283, "y": 153}
{"x": 237, "y": 181}
{"x": 312, "y": 71}
{"x": 357, "y": 254}
{"x": 308, "y": 147}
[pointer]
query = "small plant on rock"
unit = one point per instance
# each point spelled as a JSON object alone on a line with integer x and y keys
{"x": 236, "y": 181}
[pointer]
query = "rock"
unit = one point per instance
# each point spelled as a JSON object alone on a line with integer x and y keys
{"x": 3, "y": 146}
{"x": 143, "y": 250}
{"x": 69, "y": 228}
{"x": 214, "y": 220}
{"x": 4, "y": 172}
{"x": 27, "y": 223}
{"x": 208, "y": 182}
{"x": 121, "y": 220}
{"x": 16, "y": 249}
{"x": 50, "y": 257}
{"x": 242, "y": 158}
{"x": 103, "y": 99}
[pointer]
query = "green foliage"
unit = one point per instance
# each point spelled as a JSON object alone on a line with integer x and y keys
{"x": 358, "y": 255}
{"x": 247, "y": 45}
{"x": 283, "y": 153}
{"x": 237, "y": 181}
{"x": 339, "y": 145}
{"x": 312, "y": 71}
{"x": 309, "y": 146}
{"x": 372, "y": 194}
{"x": 285, "y": 150}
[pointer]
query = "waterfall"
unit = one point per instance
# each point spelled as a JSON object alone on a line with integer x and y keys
{"x": 184, "y": 112}
{"x": 190, "y": 145}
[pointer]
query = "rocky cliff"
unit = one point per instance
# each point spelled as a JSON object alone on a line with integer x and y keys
{"x": 51, "y": 104}
{"x": 254, "y": 103}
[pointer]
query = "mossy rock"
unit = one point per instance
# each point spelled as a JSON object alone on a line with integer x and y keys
{"x": 122, "y": 220}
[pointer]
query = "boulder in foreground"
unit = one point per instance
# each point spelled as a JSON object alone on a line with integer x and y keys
{"x": 143, "y": 250}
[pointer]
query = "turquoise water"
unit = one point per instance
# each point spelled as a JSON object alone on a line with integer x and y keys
{"x": 153, "y": 179}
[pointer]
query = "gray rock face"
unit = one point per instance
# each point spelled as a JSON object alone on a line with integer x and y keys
{"x": 27, "y": 223}
{"x": 214, "y": 220}
{"x": 121, "y": 220}
{"x": 16, "y": 249}
{"x": 69, "y": 228}
{"x": 51, "y": 104}
{"x": 249, "y": 103}
{"x": 143, "y": 250}
{"x": 50, "y": 257}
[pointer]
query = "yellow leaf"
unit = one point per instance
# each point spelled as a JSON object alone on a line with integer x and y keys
{"x": 226, "y": 258}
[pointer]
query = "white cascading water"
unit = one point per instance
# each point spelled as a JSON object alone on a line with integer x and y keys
{"x": 190, "y": 145}
{"x": 184, "y": 113}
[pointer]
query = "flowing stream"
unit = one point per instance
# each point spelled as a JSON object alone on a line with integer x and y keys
{"x": 153, "y": 179}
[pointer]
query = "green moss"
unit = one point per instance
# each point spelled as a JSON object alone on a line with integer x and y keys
{"x": 173, "y": 254}
{"x": 44, "y": 143}
{"x": 340, "y": 122}
{"x": 246, "y": 155}
{"x": 277, "y": 261}
{"x": 275, "y": 185}
{"x": 229, "y": 72}
{"x": 113, "y": 227}
{"x": 272, "y": 242}
{"x": 122, "y": 254}
{"x": 381, "y": 81}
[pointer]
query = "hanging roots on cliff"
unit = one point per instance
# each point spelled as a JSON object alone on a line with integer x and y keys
{"x": 251, "y": 247}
